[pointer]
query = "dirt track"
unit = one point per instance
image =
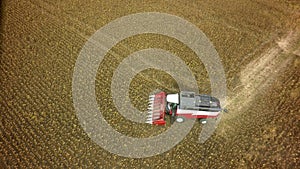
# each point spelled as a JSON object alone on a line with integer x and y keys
{"x": 258, "y": 43}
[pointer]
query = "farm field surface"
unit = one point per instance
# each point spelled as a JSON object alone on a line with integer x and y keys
{"x": 258, "y": 43}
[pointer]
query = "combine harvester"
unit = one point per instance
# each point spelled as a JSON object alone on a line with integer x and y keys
{"x": 181, "y": 106}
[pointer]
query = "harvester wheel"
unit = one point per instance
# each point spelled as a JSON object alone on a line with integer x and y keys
{"x": 180, "y": 119}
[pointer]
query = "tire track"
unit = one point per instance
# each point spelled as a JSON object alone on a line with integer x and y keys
{"x": 261, "y": 73}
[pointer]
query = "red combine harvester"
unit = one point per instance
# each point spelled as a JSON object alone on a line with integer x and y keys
{"x": 181, "y": 106}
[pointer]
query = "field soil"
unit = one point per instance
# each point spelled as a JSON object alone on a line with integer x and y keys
{"x": 259, "y": 45}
